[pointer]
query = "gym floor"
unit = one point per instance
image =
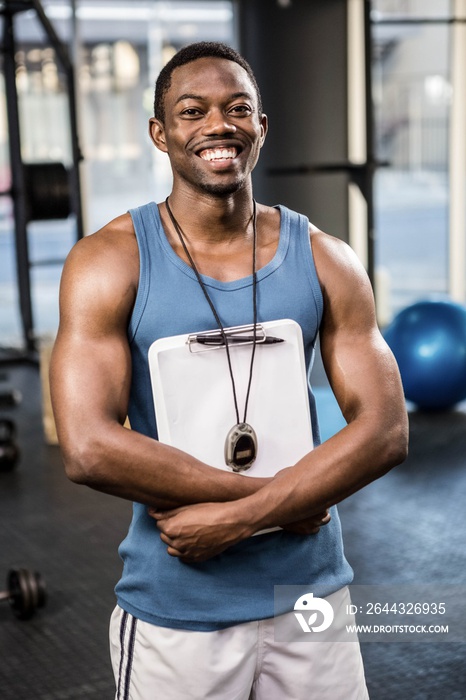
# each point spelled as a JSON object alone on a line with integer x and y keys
{"x": 407, "y": 527}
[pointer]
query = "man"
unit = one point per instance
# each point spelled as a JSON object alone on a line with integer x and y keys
{"x": 195, "y": 602}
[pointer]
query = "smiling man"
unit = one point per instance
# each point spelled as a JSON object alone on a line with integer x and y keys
{"x": 195, "y": 601}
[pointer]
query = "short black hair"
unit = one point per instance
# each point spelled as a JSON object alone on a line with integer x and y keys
{"x": 201, "y": 49}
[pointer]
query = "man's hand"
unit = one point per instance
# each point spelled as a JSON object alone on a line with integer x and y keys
{"x": 200, "y": 531}
{"x": 309, "y": 526}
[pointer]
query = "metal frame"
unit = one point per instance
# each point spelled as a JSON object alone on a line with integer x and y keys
{"x": 8, "y": 10}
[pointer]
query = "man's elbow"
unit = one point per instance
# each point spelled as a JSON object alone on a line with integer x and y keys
{"x": 81, "y": 461}
{"x": 396, "y": 444}
{"x": 400, "y": 448}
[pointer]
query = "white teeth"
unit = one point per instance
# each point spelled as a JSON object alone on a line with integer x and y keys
{"x": 218, "y": 153}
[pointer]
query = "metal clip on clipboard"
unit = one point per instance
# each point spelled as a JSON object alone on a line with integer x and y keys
{"x": 236, "y": 335}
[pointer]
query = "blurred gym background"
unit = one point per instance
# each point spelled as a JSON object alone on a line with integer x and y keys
{"x": 367, "y": 107}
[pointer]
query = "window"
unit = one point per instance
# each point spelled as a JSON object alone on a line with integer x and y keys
{"x": 412, "y": 97}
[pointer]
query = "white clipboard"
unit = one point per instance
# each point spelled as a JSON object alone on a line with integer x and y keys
{"x": 194, "y": 406}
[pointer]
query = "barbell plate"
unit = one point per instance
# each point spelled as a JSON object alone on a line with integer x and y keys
{"x": 21, "y": 595}
{"x": 47, "y": 191}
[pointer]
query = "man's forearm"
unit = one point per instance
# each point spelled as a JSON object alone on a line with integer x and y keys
{"x": 333, "y": 471}
{"x": 130, "y": 465}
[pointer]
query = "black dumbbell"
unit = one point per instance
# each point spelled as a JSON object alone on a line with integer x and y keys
{"x": 25, "y": 592}
{"x": 9, "y": 450}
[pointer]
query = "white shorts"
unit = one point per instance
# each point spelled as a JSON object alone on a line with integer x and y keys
{"x": 243, "y": 662}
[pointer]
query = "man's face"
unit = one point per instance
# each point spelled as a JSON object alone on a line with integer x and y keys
{"x": 212, "y": 132}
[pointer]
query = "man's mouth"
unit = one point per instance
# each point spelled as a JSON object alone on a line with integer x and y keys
{"x": 219, "y": 153}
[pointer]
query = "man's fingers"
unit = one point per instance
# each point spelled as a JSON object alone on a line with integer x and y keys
{"x": 172, "y": 549}
{"x": 156, "y": 514}
{"x": 310, "y": 526}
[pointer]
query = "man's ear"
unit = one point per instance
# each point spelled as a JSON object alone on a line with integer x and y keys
{"x": 264, "y": 128}
{"x": 157, "y": 134}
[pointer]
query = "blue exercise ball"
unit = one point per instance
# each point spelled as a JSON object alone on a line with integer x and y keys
{"x": 428, "y": 340}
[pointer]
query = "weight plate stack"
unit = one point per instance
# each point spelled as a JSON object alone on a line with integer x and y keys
{"x": 27, "y": 592}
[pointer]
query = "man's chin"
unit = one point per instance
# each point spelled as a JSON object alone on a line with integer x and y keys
{"x": 222, "y": 189}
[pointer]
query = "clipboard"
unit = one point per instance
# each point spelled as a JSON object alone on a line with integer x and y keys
{"x": 193, "y": 397}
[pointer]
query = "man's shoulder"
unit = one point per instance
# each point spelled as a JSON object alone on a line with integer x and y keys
{"x": 101, "y": 274}
{"x": 114, "y": 245}
{"x": 116, "y": 234}
{"x": 336, "y": 262}
{"x": 119, "y": 229}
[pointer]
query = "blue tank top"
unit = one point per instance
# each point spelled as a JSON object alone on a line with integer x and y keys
{"x": 237, "y": 585}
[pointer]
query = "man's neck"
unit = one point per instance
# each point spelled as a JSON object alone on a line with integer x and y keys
{"x": 214, "y": 218}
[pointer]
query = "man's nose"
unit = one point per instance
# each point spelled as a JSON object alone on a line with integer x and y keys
{"x": 217, "y": 122}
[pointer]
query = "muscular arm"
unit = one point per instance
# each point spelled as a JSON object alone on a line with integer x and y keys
{"x": 90, "y": 382}
{"x": 365, "y": 379}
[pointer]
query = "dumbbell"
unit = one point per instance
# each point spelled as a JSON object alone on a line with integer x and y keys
{"x": 25, "y": 592}
{"x": 9, "y": 450}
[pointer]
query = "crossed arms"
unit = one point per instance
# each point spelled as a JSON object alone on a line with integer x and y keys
{"x": 200, "y": 510}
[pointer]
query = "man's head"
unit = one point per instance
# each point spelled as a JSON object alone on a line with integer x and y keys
{"x": 210, "y": 119}
{"x": 203, "y": 49}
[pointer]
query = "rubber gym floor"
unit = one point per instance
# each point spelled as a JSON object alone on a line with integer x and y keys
{"x": 408, "y": 527}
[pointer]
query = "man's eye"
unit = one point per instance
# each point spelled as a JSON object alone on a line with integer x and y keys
{"x": 241, "y": 109}
{"x": 191, "y": 112}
